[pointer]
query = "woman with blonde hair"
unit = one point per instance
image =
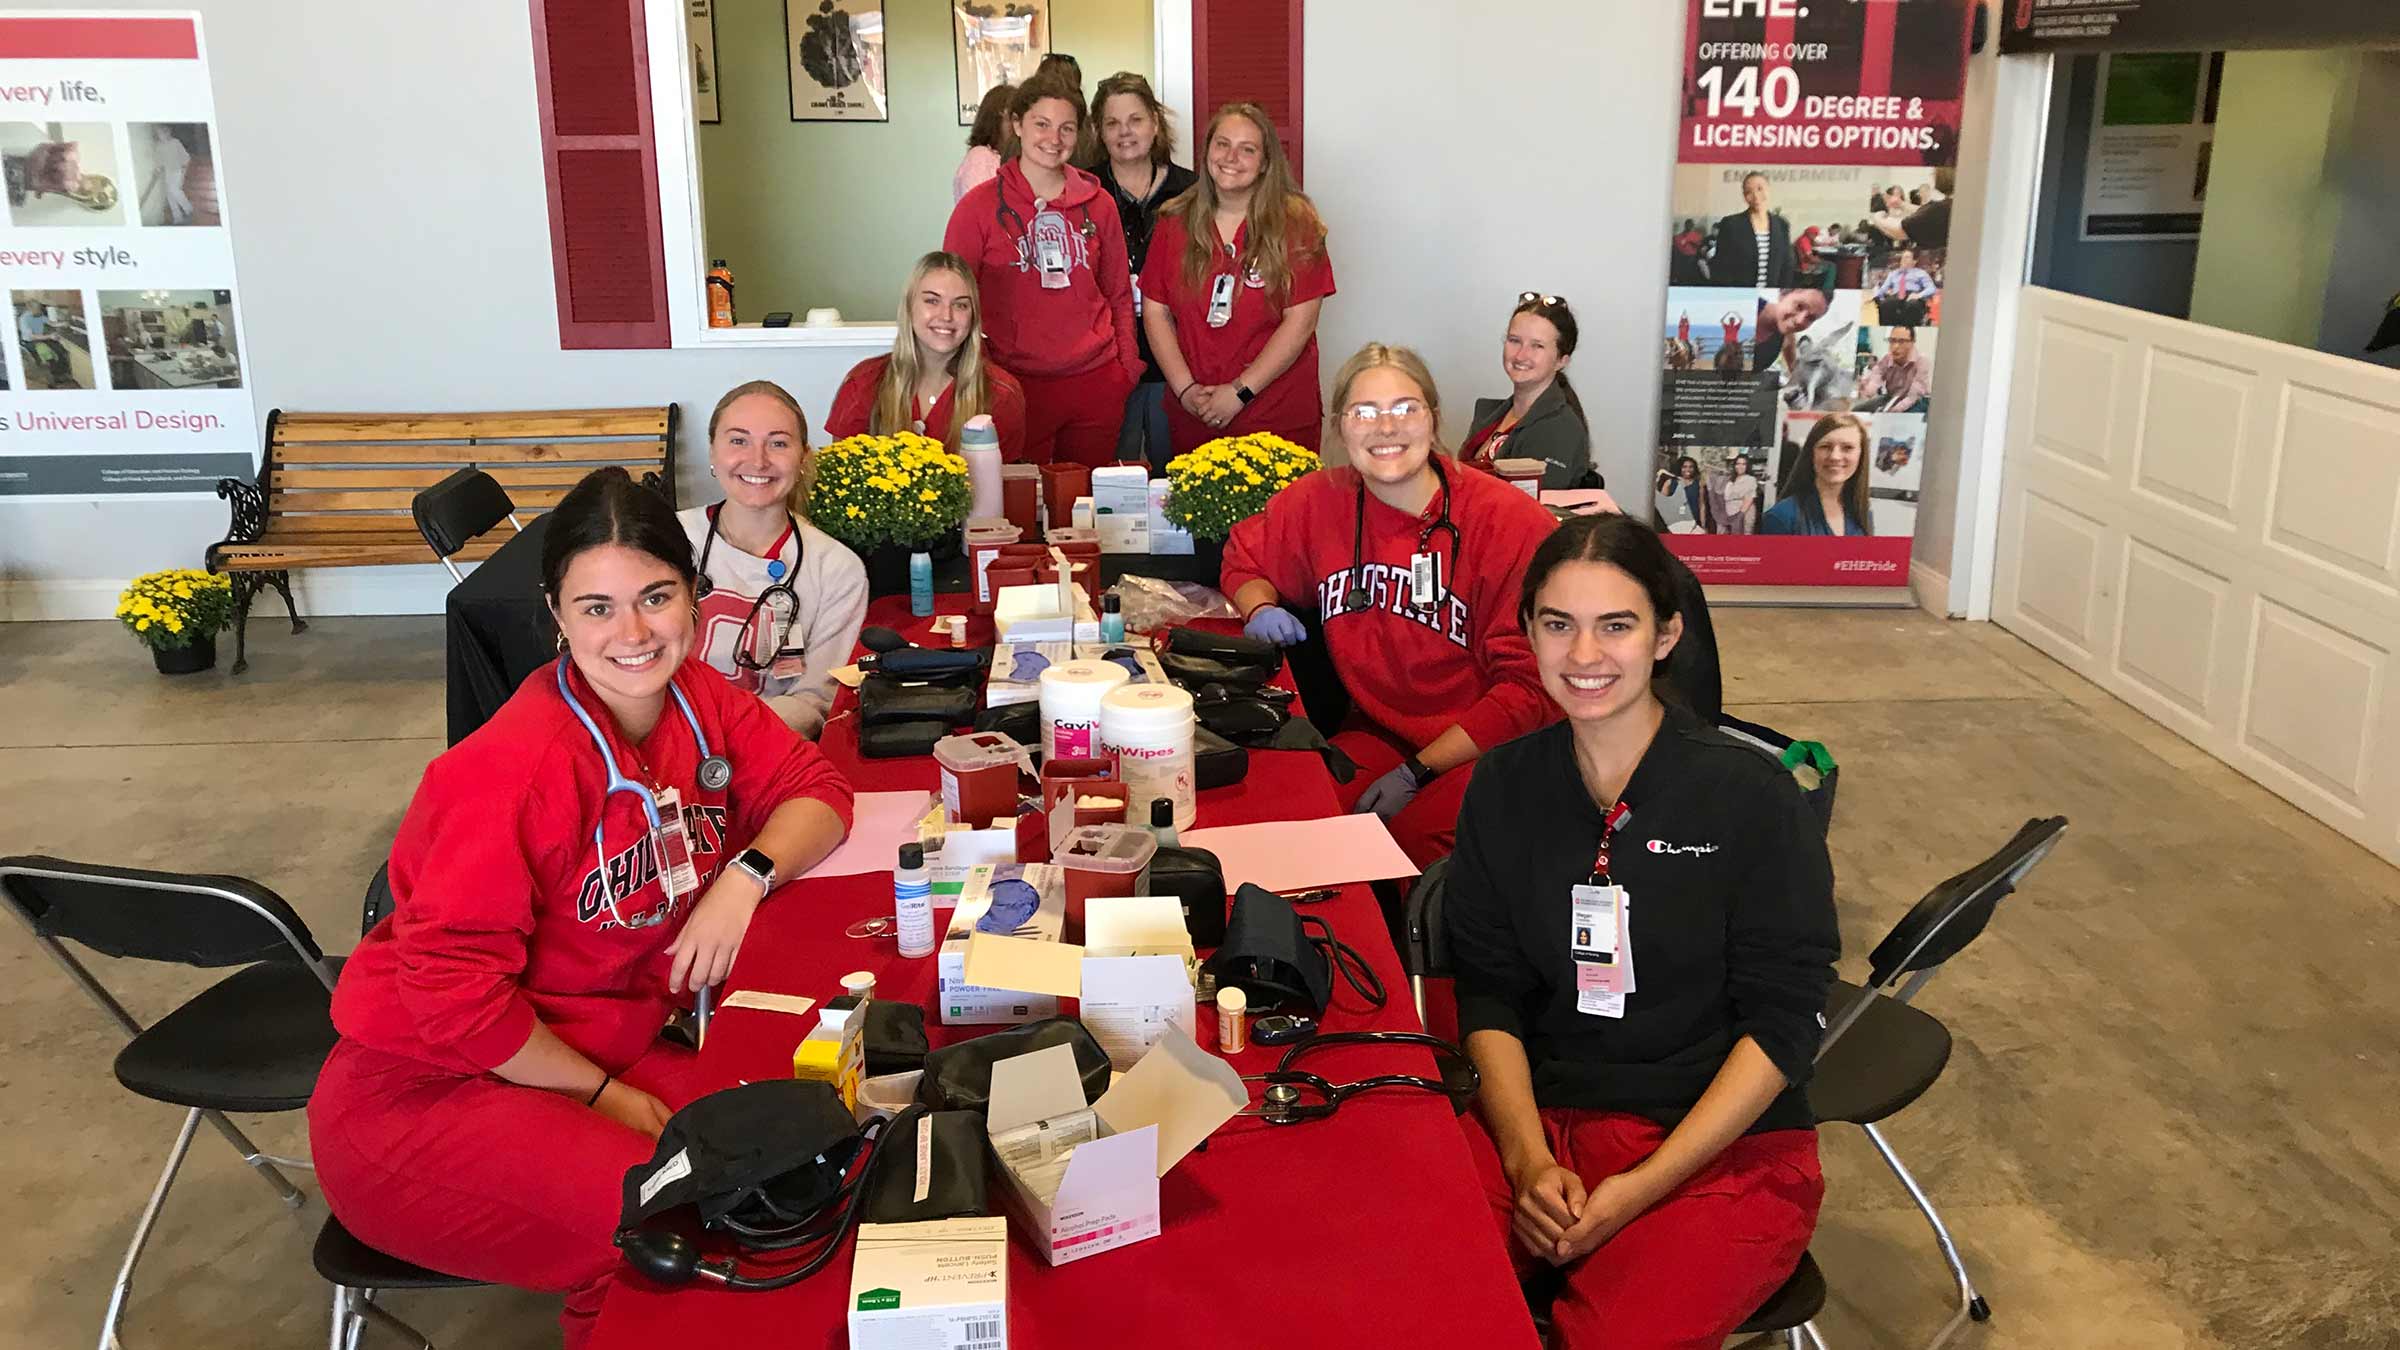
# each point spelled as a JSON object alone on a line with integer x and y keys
{"x": 1414, "y": 564}
{"x": 1827, "y": 492}
{"x": 1235, "y": 276}
{"x": 936, "y": 376}
{"x": 780, "y": 602}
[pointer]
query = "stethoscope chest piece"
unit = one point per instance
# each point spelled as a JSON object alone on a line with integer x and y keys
{"x": 1279, "y": 1102}
{"x": 715, "y": 773}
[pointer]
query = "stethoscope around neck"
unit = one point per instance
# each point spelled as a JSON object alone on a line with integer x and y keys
{"x": 1357, "y": 599}
{"x": 779, "y": 583}
{"x": 715, "y": 772}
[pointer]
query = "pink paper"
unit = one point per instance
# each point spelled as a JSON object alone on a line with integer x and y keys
{"x": 880, "y": 822}
{"x": 1583, "y": 501}
{"x": 1292, "y": 855}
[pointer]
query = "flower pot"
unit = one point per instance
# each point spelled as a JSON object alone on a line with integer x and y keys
{"x": 1208, "y": 558}
{"x": 887, "y": 570}
{"x": 195, "y": 656}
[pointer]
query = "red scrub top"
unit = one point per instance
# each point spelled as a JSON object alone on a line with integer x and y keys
{"x": 854, "y": 406}
{"x": 1218, "y": 355}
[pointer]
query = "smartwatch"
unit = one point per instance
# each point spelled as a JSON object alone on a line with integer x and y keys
{"x": 1418, "y": 771}
{"x": 1245, "y": 393}
{"x": 759, "y": 866}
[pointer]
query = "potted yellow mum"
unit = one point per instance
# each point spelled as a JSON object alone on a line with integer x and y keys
{"x": 1221, "y": 483}
{"x": 177, "y": 614}
{"x": 886, "y": 497}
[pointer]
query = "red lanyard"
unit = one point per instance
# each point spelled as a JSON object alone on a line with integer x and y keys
{"x": 1617, "y": 815}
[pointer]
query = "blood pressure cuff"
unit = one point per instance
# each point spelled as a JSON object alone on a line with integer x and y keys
{"x": 958, "y": 1077}
{"x": 1189, "y": 670}
{"x": 957, "y": 667}
{"x": 883, "y": 700}
{"x": 1216, "y": 762}
{"x": 1020, "y": 722}
{"x": 1279, "y": 959}
{"x": 900, "y": 740}
{"x": 756, "y": 1155}
{"x": 1196, "y": 878}
{"x": 895, "y": 1037}
{"x": 1266, "y": 725}
{"x": 939, "y": 1168}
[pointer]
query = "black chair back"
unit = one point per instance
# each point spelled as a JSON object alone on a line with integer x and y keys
{"x": 1955, "y": 912}
{"x": 173, "y": 917}
{"x": 458, "y": 508}
{"x": 379, "y": 900}
{"x": 1427, "y": 950}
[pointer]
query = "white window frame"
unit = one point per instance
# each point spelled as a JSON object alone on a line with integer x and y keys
{"x": 682, "y": 224}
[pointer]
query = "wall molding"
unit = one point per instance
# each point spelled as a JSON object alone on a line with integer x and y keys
{"x": 1933, "y": 590}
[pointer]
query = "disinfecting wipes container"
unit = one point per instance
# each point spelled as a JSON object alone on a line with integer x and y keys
{"x": 1147, "y": 730}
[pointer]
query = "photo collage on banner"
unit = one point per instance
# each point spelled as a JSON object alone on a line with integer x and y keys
{"x": 127, "y": 373}
{"x": 1808, "y": 237}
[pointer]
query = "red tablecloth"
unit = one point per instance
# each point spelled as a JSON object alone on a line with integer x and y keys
{"x": 1367, "y": 1229}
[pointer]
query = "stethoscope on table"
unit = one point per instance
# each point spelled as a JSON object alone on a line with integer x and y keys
{"x": 779, "y": 584}
{"x": 1357, "y": 599}
{"x": 1285, "y": 1100}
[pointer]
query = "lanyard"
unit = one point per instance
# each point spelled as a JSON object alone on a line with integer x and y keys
{"x": 1617, "y": 816}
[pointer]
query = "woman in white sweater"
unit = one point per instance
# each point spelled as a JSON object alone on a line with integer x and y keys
{"x": 781, "y": 601}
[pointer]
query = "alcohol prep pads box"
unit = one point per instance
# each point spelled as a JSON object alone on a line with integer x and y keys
{"x": 1121, "y": 496}
{"x": 971, "y": 1005}
{"x": 930, "y": 1286}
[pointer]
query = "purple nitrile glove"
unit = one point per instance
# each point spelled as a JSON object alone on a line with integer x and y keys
{"x": 1274, "y": 623}
{"x": 1388, "y": 795}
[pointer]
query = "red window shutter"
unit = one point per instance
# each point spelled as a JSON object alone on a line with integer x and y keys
{"x": 1248, "y": 51}
{"x": 592, "y": 78}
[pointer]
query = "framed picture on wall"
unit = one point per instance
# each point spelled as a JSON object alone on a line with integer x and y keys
{"x": 700, "y": 27}
{"x": 836, "y": 55}
{"x": 998, "y": 42}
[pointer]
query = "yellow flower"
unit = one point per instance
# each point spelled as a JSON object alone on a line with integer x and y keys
{"x": 929, "y": 495}
{"x": 141, "y": 625}
{"x": 855, "y": 513}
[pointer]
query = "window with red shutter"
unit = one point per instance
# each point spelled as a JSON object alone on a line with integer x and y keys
{"x": 1249, "y": 51}
{"x": 592, "y": 81}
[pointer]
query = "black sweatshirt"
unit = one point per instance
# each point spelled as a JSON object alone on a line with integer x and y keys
{"x": 1730, "y": 912}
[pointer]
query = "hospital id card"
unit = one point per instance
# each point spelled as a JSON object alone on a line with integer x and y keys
{"x": 674, "y": 847}
{"x": 1597, "y": 939}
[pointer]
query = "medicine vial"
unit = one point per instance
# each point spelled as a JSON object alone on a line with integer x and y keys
{"x": 1233, "y": 1022}
{"x": 912, "y": 902}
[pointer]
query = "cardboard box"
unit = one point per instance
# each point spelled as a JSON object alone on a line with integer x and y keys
{"x": 1165, "y": 535}
{"x": 1106, "y": 1194}
{"x": 930, "y": 1286}
{"x": 1000, "y": 691}
{"x": 964, "y": 1004}
{"x": 1121, "y": 502}
{"x": 953, "y": 854}
{"x": 1045, "y": 612}
{"x": 1132, "y": 977}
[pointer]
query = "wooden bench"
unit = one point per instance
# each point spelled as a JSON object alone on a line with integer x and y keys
{"x": 333, "y": 489}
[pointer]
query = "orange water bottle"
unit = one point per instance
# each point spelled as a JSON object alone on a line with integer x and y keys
{"x": 720, "y": 294}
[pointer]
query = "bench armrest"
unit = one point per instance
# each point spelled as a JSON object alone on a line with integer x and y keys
{"x": 248, "y": 505}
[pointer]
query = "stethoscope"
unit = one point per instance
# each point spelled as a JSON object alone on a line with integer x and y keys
{"x": 715, "y": 772}
{"x": 1357, "y": 599}
{"x": 1002, "y": 213}
{"x": 779, "y": 583}
{"x": 1285, "y": 1100}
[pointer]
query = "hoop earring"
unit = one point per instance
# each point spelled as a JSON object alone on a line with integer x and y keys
{"x": 562, "y": 644}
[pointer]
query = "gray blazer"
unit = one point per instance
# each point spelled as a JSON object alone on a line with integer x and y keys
{"x": 1550, "y": 432}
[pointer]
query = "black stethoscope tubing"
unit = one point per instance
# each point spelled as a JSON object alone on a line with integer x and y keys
{"x": 1357, "y": 599}
{"x": 783, "y": 583}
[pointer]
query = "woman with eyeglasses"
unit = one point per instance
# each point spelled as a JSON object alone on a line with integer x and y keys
{"x": 1235, "y": 276}
{"x": 564, "y": 878}
{"x": 1641, "y": 925}
{"x": 1141, "y": 174}
{"x": 1413, "y": 564}
{"x": 936, "y": 376}
{"x": 1541, "y": 418}
{"x": 1049, "y": 259}
{"x": 780, "y": 601}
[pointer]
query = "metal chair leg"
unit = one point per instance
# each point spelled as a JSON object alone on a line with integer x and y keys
{"x": 1971, "y": 1304}
{"x": 380, "y": 1316}
{"x": 1816, "y": 1341}
{"x": 123, "y": 1290}
{"x": 340, "y": 1338}
{"x": 1791, "y": 1340}
{"x": 251, "y": 1154}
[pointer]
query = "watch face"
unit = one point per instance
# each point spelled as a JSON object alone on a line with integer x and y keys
{"x": 756, "y": 863}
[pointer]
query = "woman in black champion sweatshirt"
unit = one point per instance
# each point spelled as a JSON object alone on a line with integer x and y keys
{"x": 1644, "y": 1019}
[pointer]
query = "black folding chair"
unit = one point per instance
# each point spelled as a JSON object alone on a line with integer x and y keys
{"x": 1425, "y": 954}
{"x": 452, "y": 512}
{"x": 1880, "y": 1053}
{"x": 252, "y": 1041}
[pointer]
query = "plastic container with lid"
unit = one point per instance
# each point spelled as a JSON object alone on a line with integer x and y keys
{"x": 1071, "y": 692}
{"x": 1147, "y": 729}
{"x": 984, "y": 540}
{"x": 1233, "y": 1019}
{"x": 979, "y": 776}
{"x": 979, "y": 446}
{"x": 1101, "y": 860}
{"x": 1061, "y": 485}
{"x": 1021, "y": 496}
{"x": 1525, "y": 475}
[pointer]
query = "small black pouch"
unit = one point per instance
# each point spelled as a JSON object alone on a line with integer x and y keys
{"x": 957, "y": 1163}
{"x": 895, "y": 1037}
{"x": 1020, "y": 722}
{"x": 962, "y": 667}
{"x": 883, "y": 700}
{"x": 1229, "y": 647}
{"x": 958, "y": 1077}
{"x": 1281, "y": 959}
{"x": 1194, "y": 877}
{"x": 1217, "y": 762}
{"x": 900, "y": 740}
{"x": 1189, "y": 671}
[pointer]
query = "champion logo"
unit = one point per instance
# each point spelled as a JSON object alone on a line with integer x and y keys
{"x": 1662, "y": 846}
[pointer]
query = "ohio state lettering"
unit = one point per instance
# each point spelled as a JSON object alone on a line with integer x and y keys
{"x": 1386, "y": 587}
{"x": 635, "y": 867}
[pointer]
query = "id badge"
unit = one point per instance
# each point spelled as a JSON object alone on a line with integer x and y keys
{"x": 1220, "y": 300}
{"x": 1423, "y": 583}
{"x": 674, "y": 847}
{"x": 1596, "y": 939}
{"x": 1137, "y": 297}
{"x": 1050, "y": 249}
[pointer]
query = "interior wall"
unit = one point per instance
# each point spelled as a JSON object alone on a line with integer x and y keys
{"x": 2146, "y": 274}
{"x": 812, "y": 214}
{"x": 2364, "y": 171}
{"x": 2266, "y": 239}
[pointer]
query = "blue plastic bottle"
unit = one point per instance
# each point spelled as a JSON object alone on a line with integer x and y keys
{"x": 920, "y": 584}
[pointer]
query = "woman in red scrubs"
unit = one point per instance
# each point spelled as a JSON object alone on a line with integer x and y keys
{"x": 937, "y": 375}
{"x": 1234, "y": 278}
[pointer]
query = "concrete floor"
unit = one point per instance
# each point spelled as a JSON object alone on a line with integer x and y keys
{"x": 2160, "y": 1127}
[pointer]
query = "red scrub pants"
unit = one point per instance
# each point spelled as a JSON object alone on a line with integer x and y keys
{"x": 481, "y": 1178}
{"x": 1074, "y": 419}
{"x": 1426, "y": 828}
{"x": 1692, "y": 1267}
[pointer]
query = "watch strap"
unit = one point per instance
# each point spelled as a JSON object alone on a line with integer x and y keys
{"x": 1418, "y": 770}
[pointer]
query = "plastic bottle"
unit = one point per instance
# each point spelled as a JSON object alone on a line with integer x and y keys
{"x": 912, "y": 902}
{"x": 1162, "y": 820}
{"x": 920, "y": 583}
{"x": 1112, "y": 618}
{"x": 979, "y": 446}
{"x": 720, "y": 294}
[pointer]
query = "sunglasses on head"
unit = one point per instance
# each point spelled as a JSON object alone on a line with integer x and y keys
{"x": 1536, "y": 297}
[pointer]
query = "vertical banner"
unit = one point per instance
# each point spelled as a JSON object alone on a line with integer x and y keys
{"x": 1808, "y": 235}
{"x": 125, "y": 369}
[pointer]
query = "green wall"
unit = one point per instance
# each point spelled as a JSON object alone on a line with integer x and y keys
{"x": 2266, "y": 238}
{"x": 811, "y": 214}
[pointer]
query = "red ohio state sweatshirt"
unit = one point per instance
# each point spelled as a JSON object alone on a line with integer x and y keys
{"x": 1412, "y": 671}
{"x": 499, "y": 917}
{"x": 1083, "y": 327}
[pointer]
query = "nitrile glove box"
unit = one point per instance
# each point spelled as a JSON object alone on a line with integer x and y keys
{"x": 930, "y": 1286}
{"x": 1115, "y": 1150}
{"x": 1131, "y": 979}
{"x": 969, "y": 1005}
{"x": 1121, "y": 501}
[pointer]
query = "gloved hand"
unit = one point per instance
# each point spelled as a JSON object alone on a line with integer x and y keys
{"x": 1386, "y": 796}
{"x": 1274, "y": 623}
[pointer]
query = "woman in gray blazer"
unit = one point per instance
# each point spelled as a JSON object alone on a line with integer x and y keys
{"x": 1542, "y": 419}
